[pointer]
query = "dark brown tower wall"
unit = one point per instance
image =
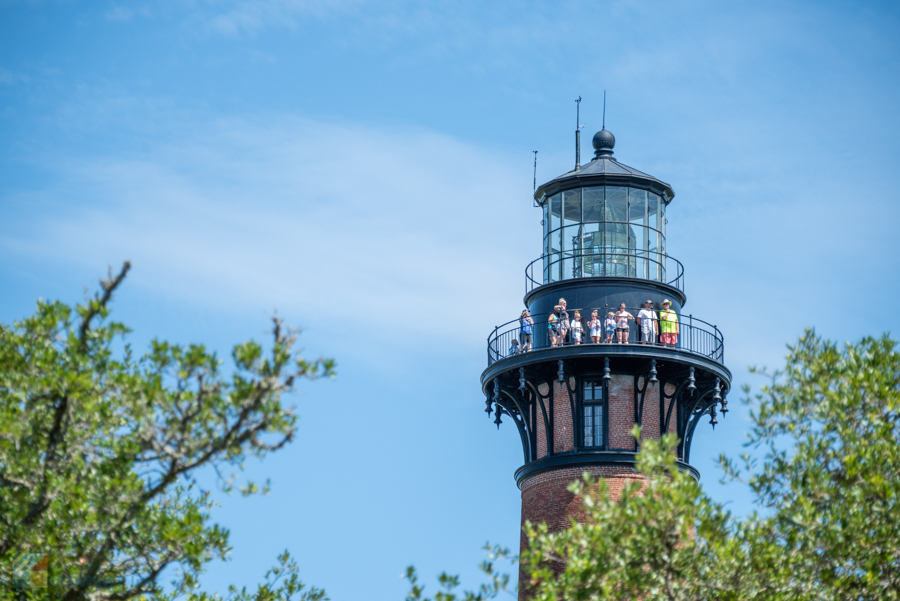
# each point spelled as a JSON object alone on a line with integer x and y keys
{"x": 545, "y": 495}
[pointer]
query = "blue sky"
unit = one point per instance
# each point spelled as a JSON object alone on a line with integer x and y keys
{"x": 364, "y": 168}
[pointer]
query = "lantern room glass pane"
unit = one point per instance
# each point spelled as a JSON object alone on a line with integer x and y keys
{"x": 637, "y": 217}
{"x": 637, "y": 207}
{"x": 616, "y": 250}
{"x": 546, "y": 252}
{"x": 571, "y": 238}
{"x": 653, "y": 211}
{"x": 654, "y": 204}
{"x": 571, "y": 202}
{"x": 555, "y": 212}
{"x": 571, "y": 234}
{"x": 592, "y": 238}
{"x": 553, "y": 265}
{"x": 571, "y": 246}
{"x": 592, "y": 244}
{"x": 662, "y": 219}
{"x": 592, "y": 201}
{"x": 662, "y": 239}
{"x": 662, "y": 253}
{"x": 617, "y": 240}
{"x": 604, "y": 231}
{"x": 616, "y": 204}
{"x": 554, "y": 232}
{"x": 545, "y": 222}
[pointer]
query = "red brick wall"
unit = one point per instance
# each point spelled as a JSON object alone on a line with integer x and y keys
{"x": 545, "y": 498}
{"x": 563, "y": 432}
{"x": 621, "y": 415}
{"x": 673, "y": 419}
{"x": 621, "y": 412}
{"x": 541, "y": 431}
{"x": 650, "y": 416}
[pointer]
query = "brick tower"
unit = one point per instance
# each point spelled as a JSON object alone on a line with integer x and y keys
{"x": 574, "y": 404}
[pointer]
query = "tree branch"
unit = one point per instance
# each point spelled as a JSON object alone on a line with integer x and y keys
{"x": 99, "y": 303}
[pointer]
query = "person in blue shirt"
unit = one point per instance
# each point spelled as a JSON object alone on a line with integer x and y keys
{"x": 610, "y": 324}
{"x": 526, "y": 330}
{"x": 514, "y": 348}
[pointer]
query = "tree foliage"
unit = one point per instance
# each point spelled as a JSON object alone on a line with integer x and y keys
{"x": 100, "y": 449}
{"x": 100, "y": 452}
{"x": 282, "y": 583}
{"x": 829, "y": 484}
{"x": 824, "y": 472}
{"x": 498, "y": 581}
{"x": 827, "y": 488}
{"x": 642, "y": 545}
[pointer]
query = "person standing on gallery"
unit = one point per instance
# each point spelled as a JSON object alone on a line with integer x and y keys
{"x": 596, "y": 328}
{"x": 526, "y": 333}
{"x": 646, "y": 318}
{"x": 668, "y": 325}
{"x": 610, "y": 324}
{"x": 553, "y": 326}
{"x": 563, "y": 322}
{"x": 577, "y": 329}
{"x": 622, "y": 318}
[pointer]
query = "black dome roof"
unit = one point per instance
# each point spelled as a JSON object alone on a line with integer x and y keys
{"x": 604, "y": 170}
{"x": 604, "y": 141}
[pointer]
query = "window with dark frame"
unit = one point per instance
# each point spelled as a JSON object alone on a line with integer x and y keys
{"x": 592, "y": 414}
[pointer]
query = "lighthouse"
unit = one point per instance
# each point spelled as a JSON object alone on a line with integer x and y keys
{"x": 604, "y": 342}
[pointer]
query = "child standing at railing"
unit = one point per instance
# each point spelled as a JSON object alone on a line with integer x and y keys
{"x": 514, "y": 348}
{"x": 610, "y": 324}
{"x": 577, "y": 330}
{"x": 596, "y": 328}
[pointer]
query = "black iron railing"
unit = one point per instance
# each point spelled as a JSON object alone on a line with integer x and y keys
{"x": 620, "y": 263}
{"x": 692, "y": 335}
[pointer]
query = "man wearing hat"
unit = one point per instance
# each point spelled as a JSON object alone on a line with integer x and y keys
{"x": 668, "y": 325}
{"x": 647, "y": 320}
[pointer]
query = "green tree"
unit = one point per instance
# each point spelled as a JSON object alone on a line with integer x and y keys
{"x": 827, "y": 484}
{"x": 828, "y": 488}
{"x": 100, "y": 450}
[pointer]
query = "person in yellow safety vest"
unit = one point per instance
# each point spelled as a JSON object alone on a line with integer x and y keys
{"x": 668, "y": 325}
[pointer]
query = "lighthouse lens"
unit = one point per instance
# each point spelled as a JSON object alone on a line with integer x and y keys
{"x": 604, "y": 231}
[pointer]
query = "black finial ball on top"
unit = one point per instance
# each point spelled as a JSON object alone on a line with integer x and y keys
{"x": 603, "y": 142}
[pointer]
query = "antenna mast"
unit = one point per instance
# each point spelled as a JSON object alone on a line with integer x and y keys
{"x": 604, "y": 109}
{"x": 535, "y": 171}
{"x": 578, "y": 134}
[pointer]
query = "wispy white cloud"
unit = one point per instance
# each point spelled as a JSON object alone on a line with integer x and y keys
{"x": 10, "y": 78}
{"x": 125, "y": 13}
{"x": 236, "y": 17}
{"x": 393, "y": 227}
{"x": 118, "y": 13}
